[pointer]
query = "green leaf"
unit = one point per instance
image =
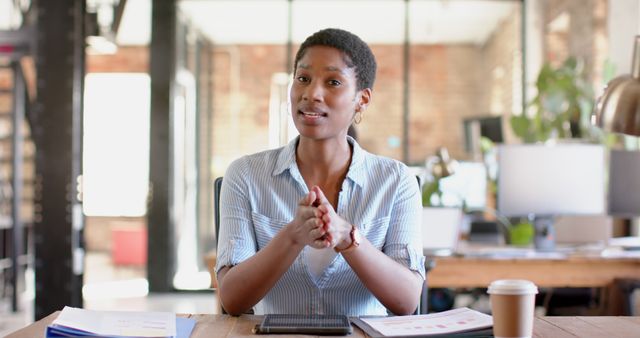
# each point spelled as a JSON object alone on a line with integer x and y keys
{"x": 520, "y": 125}
{"x": 486, "y": 144}
{"x": 428, "y": 190}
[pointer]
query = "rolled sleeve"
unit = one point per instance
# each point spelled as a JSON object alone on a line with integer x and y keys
{"x": 404, "y": 240}
{"x": 236, "y": 236}
{"x": 408, "y": 256}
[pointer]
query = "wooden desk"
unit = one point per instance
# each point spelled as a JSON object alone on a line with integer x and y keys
{"x": 474, "y": 272}
{"x": 573, "y": 271}
{"x": 218, "y": 326}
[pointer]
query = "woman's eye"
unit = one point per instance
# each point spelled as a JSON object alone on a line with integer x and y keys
{"x": 334, "y": 82}
{"x": 302, "y": 79}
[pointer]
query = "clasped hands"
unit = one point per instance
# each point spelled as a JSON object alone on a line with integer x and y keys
{"x": 317, "y": 224}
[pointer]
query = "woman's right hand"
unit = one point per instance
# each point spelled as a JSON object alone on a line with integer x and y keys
{"x": 307, "y": 226}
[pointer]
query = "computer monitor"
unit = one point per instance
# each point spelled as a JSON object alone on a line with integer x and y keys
{"x": 551, "y": 180}
{"x": 477, "y": 127}
{"x": 545, "y": 181}
{"x": 624, "y": 183}
{"x": 467, "y": 185}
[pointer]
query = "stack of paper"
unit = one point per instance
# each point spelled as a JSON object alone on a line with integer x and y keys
{"x": 448, "y": 323}
{"x": 74, "y": 322}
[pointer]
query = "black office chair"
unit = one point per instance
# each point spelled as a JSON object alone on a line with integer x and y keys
{"x": 423, "y": 306}
{"x": 429, "y": 264}
{"x": 217, "y": 186}
{"x": 625, "y": 287}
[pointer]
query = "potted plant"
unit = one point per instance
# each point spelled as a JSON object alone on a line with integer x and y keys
{"x": 562, "y": 107}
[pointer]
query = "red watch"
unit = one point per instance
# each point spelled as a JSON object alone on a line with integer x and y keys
{"x": 355, "y": 240}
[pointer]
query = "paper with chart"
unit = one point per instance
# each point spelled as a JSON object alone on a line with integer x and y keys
{"x": 119, "y": 323}
{"x": 457, "y": 320}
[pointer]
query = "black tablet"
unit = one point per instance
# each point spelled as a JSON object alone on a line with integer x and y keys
{"x": 307, "y": 324}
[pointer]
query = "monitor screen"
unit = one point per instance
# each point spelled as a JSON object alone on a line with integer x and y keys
{"x": 474, "y": 128}
{"x": 548, "y": 180}
{"x": 467, "y": 185}
{"x": 624, "y": 183}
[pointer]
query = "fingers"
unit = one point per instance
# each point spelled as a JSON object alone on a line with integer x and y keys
{"x": 317, "y": 237}
{"x": 323, "y": 199}
{"x": 316, "y": 228}
{"x": 305, "y": 213}
{"x": 335, "y": 226}
{"x": 315, "y": 215}
{"x": 326, "y": 209}
{"x": 309, "y": 199}
{"x": 321, "y": 243}
{"x": 325, "y": 206}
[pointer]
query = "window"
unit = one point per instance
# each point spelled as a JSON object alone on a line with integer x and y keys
{"x": 116, "y": 144}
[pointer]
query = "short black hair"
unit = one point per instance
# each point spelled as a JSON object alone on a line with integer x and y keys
{"x": 359, "y": 55}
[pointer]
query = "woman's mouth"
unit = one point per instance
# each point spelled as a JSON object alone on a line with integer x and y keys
{"x": 312, "y": 115}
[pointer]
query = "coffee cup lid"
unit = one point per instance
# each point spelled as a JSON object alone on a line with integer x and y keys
{"x": 512, "y": 287}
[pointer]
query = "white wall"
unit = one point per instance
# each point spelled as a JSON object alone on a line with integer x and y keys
{"x": 623, "y": 23}
{"x": 534, "y": 28}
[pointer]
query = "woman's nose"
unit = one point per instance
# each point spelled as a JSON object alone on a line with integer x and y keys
{"x": 313, "y": 92}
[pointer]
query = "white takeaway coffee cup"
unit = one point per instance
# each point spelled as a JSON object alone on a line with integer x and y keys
{"x": 512, "y": 307}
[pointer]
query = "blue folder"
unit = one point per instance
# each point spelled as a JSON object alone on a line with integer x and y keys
{"x": 184, "y": 327}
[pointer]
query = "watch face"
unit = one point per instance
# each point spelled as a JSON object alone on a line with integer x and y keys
{"x": 355, "y": 236}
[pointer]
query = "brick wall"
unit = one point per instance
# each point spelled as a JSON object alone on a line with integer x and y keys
{"x": 444, "y": 90}
{"x": 380, "y": 131}
{"x": 242, "y": 82}
{"x": 126, "y": 60}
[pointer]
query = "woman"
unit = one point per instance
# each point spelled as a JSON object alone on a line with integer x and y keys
{"x": 321, "y": 226}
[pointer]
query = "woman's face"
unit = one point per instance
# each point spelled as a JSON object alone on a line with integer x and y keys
{"x": 324, "y": 97}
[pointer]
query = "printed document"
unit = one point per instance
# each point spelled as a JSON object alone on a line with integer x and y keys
{"x": 452, "y": 321}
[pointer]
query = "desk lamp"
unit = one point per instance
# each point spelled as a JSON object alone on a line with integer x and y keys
{"x": 444, "y": 165}
{"x": 618, "y": 109}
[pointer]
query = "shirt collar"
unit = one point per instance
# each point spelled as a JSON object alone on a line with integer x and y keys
{"x": 287, "y": 160}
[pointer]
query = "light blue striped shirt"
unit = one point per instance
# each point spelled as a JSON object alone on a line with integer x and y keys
{"x": 260, "y": 195}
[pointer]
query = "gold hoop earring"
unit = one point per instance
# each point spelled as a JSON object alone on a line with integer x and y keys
{"x": 358, "y": 117}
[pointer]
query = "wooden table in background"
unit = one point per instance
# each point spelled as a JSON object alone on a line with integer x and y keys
{"x": 573, "y": 271}
{"x": 219, "y": 326}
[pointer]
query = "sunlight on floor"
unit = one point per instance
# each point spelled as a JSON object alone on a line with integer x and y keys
{"x": 138, "y": 287}
{"x": 109, "y": 287}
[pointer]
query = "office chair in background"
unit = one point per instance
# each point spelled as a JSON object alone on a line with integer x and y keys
{"x": 217, "y": 187}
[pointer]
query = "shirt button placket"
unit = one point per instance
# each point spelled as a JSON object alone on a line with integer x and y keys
{"x": 320, "y": 309}
{"x": 343, "y": 199}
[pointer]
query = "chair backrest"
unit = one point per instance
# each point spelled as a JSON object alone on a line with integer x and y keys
{"x": 217, "y": 187}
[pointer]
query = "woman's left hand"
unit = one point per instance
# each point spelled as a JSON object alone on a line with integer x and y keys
{"x": 337, "y": 228}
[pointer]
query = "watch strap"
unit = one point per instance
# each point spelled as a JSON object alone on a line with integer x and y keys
{"x": 354, "y": 241}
